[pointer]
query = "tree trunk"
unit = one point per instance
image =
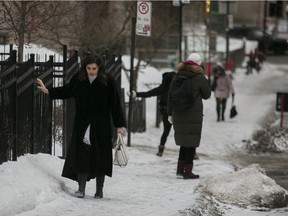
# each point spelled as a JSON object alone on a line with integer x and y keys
{"x": 21, "y": 33}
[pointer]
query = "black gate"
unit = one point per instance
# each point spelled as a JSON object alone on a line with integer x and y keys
{"x": 27, "y": 115}
{"x": 8, "y": 109}
{"x": 25, "y": 112}
{"x": 42, "y": 108}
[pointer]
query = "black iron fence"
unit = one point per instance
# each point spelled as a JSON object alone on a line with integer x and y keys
{"x": 8, "y": 108}
{"x": 28, "y": 118}
{"x": 25, "y": 113}
{"x": 138, "y": 119}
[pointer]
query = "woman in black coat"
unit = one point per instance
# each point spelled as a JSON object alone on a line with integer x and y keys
{"x": 96, "y": 101}
{"x": 162, "y": 91}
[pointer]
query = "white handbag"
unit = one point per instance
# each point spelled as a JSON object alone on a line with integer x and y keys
{"x": 120, "y": 155}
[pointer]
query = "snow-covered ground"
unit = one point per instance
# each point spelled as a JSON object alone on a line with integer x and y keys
{"x": 148, "y": 186}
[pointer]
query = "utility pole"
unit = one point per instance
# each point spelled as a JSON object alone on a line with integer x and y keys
{"x": 180, "y": 30}
{"x": 265, "y": 28}
{"x": 180, "y": 4}
{"x": 131, "y": 99}
{"x": 227, "y": 31}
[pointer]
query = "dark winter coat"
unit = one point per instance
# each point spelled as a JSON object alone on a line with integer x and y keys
{"x": 162, "y": 91}
{"x": 95, "y": 104}
{"x": 187, "y": 124}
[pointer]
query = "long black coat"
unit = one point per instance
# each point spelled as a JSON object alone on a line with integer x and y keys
{"x": 95, "y": 103}
{"x": 187, "y": 124}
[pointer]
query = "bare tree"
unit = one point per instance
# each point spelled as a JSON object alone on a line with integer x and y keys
{"x": 92, "y": 26}
{"x": 105, "y": 25}
{"x": 23, "y": 18}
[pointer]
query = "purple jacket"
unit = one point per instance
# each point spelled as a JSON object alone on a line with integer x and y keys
{"x": 224, "y": 87}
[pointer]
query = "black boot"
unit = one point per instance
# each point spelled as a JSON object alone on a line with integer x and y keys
{"x": 223, "y": 109}
{"x": 218, "y": 108}
{"x": 188, "y": 174}
{"x": 81, "y": 178}
{"x": 218, "y": 114}
{"x": 160, "y": 150}
{"x": 99, "y": 187}
{"x": 180, "y": 168}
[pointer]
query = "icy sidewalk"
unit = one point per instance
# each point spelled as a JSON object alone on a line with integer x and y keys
{"x": 148, "y": 186}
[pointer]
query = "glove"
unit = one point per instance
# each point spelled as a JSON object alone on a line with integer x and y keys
{"x": 170, "y": 119}
{"x": 133, "y": 94}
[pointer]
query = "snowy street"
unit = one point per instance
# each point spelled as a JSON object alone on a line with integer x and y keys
{"x": 148, "y": 186}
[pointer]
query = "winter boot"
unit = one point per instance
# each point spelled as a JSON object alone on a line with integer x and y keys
{"x": 188, "y": 174}
{"x": 223, "y": 110}
{"x": 180, "y": 168}
{"x": 196, "y": 157}
{"x": 81, "y": 178}
{"x": 218, "y": 111}
{"x": 99, "y": 187}
{"x": 160, "y": 150}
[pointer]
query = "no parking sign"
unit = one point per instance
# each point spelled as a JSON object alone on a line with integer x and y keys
{"x": 143, "y": 25}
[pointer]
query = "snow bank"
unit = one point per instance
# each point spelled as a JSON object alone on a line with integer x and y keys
{"x": 247, "y": 187}
{"x": 20, "y": 191}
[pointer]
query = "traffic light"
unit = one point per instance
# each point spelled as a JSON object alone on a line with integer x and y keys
{"x": 207, "y": 6}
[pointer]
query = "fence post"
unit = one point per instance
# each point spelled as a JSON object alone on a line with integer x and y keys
{"x": 65, "y": 133}
{"x": 282, "y": 110}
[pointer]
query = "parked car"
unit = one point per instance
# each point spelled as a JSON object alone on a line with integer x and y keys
{"x": 279, "y": 38}
{"x": 251, "y": 33}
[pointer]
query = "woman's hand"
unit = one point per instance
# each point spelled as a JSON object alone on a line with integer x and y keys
{"x": 170, "y": 119}
{"x": 121, "y": 131}
{"x": 41, "y": 86}
{"x": 133, "y": 94}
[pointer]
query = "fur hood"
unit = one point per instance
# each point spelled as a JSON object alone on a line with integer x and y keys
{"x": 181, "y": 67}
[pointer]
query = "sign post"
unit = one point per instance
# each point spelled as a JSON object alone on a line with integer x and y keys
{"x": 282, "y": 105}
{"x": 143, "y": 25}
{"x": 130, "y": 114}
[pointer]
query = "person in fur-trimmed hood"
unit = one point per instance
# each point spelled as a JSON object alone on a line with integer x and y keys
{"x": 187, "y": 123}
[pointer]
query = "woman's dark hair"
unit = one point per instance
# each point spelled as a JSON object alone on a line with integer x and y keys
{"x": 91, "y": 59}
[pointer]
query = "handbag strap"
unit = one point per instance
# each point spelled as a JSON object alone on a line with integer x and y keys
{"x": 232, "y": 101}
{"x": 120, "y": 140}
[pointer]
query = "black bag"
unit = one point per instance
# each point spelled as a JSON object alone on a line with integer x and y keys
{"x": 180, "y": 95}
{"x": 233, "y": 111}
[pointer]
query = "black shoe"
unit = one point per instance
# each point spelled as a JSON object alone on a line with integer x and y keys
{"x": 98, "y": 195}
{"x": 79, "y": 194}
{"x": 191, "y": 176}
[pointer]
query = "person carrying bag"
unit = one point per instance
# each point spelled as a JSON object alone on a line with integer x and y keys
{"x": 120, "y": 155}
{"x": 233, "y": 111}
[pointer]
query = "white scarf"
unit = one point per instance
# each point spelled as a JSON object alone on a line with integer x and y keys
{"x": 86, "y": 138}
